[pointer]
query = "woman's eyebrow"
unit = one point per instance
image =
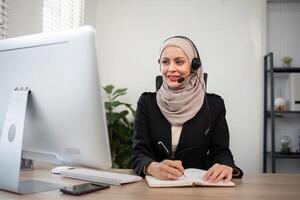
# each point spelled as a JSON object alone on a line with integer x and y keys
{"x": 174, "y": 58}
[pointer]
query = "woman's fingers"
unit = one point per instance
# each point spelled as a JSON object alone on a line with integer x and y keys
{"x": 169, "y": 169}
{"x": 228, "y": 178}
{"x": 167, "y": 175}
{"x": 209, "y": 172}
{"x": 173, "y": 168}
{"x": 175, "y": 164}
{"x": 221, "y": 176}
{"x": 166, "y": 169}
{"x": 217, "y": 173}
{"x": 214, "y": 175}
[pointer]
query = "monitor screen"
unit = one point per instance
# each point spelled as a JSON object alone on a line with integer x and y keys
{"x": 65, "y": 116}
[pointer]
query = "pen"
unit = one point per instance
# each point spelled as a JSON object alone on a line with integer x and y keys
{"x": 164, "y": 149}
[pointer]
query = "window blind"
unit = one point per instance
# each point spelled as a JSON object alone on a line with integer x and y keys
{"x": 62, "y": 14}
{"x": 3, "y": 19}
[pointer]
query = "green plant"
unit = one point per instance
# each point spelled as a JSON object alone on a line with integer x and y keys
{"x": 120, "y": 126}
{"x": 287, "y": 60}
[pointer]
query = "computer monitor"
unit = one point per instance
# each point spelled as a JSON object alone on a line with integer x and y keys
{"x": 65, "y": 116}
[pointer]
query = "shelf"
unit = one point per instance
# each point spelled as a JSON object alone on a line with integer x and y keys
{"x": 283, "y": 1}
{"x": 286, "y": 112}
{"x": 270, "y": 76}
{"x": 286, "y": 70}
{"x": 293, "y": 155}
{"x": 280, "y": 113}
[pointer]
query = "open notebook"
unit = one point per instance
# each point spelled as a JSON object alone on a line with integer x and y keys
{"x": 191, "y": 177}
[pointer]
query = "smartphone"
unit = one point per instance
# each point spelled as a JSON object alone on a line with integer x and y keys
{"x": 85, "y": 188}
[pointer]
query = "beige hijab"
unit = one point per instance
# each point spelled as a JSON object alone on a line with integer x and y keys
{"x": 181, "y": 104}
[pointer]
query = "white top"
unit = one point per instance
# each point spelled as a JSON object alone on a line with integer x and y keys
{"x": 176, "y": 132}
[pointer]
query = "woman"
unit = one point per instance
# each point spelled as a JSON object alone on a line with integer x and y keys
{"x": 181, "y": 126}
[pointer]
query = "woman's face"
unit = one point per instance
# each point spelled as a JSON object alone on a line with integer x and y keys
{"x": 174, "y": 64}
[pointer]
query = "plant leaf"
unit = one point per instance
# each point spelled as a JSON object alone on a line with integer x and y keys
{"x": 119, "y": 91}
{"x": 108, "y": 89}
{"x": 130, "y": 108}
{"x": 113, "y": 117}
{"x": 108, "y": 105}
{"x": 119, "y": 94}
{"x": 115, "y": 103}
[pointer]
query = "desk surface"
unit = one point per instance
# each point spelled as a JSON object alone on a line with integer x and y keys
{"x": 262, "y": 186}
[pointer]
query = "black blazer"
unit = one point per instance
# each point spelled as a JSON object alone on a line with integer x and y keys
{"x": 195, "y": 148}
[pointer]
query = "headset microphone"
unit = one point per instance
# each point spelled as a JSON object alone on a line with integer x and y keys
{"x": 180, "y": 80}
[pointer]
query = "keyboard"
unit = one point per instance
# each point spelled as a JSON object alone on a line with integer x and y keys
{"x": 99, "y": 176}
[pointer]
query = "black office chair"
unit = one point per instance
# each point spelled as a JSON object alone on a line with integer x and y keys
{"x": 159, "y": 81}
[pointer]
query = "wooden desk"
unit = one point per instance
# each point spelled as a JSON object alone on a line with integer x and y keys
{"x": 252, "y": 187}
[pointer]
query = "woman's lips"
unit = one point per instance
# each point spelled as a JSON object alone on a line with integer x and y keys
{"x": 173, "y": 78}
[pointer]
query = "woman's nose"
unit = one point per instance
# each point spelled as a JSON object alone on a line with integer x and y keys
{"x": 172, "y": 67}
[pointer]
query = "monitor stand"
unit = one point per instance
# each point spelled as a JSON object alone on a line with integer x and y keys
{"x": 11, "y": 140}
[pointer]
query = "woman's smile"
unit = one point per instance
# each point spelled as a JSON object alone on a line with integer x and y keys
{"x": 173, "y": 78}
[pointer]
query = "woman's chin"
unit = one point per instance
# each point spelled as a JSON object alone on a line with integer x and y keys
{"x": 173, "y": 84}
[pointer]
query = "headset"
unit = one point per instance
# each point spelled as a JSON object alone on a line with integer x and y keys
{"x": 196, "y": 62}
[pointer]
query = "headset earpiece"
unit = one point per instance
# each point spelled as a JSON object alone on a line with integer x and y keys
{"x": 196, "y": 64}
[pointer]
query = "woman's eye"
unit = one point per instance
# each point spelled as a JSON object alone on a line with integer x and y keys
{"x": 164, "y": 62}
{"x": 179, "y": 62}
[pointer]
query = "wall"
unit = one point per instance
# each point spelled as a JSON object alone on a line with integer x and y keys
{"x": 230, "y": 35}
{"x": 283, "y": 31}
{"x": 25, "y": 17}
{"x": 90, "y": 12}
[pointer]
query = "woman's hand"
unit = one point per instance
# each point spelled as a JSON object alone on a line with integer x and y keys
{"x": 218, "y": 172}
{"x": 167, "y": 169}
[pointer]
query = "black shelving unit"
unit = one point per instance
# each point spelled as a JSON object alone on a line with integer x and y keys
{"x": 284, "y": 155}
{"x": 269, "y": 71}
